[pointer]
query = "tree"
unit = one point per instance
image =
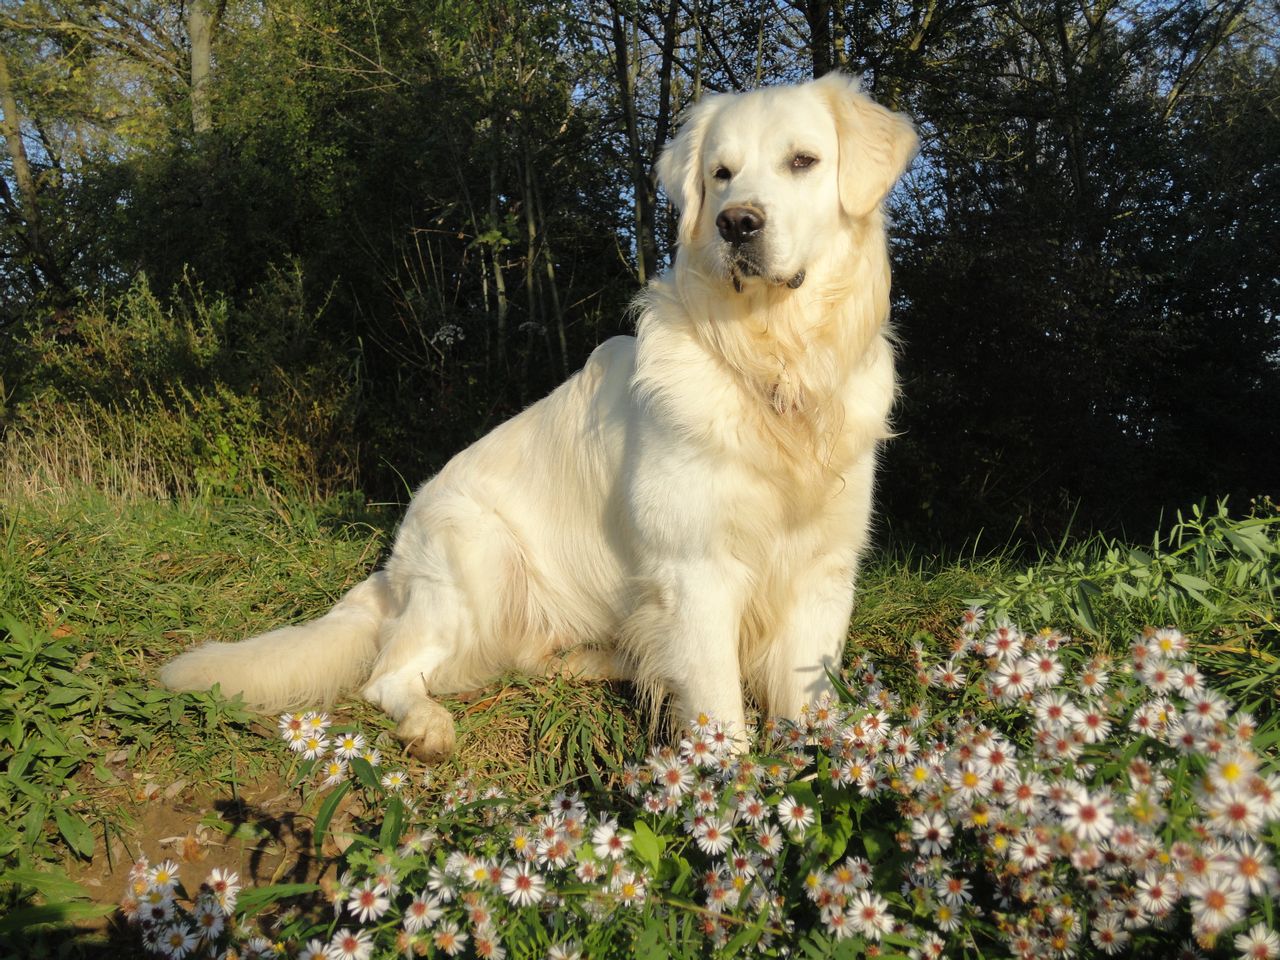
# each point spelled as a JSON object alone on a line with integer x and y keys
{"x": 461, "y": 195}
{"x": 23, "y": 211}
{"x": 202, "y": 22}
{"x": 1040, "y": 259}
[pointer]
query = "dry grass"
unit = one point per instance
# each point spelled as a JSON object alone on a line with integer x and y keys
{"x": 66, "y": 455}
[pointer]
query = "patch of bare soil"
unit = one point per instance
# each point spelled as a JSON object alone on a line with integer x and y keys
{"x": 260, "y": 831}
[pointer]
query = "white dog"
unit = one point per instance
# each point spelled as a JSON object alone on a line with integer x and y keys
{"x": 689, "y": 509}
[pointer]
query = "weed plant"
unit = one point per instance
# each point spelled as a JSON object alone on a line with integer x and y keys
{"x": 182, "y": 396}
{"x": 96, "y": 591}
{"x": 1058, "y": 803}
{"x": 1007, "y": 794}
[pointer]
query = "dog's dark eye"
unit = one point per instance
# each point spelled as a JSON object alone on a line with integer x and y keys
{"x": 723, "y": 173}
{"x": 802, "y": 161}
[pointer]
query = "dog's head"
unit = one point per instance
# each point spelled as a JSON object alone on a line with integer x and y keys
{"x": 763, "y": 180}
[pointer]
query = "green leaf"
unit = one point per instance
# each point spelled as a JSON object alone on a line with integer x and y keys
{"x": 327, "y": 810}
{"x": 50, "y": 884}
{"x": 1192, "y": 582}
{"x": 854, "y": 948}
{"x": 392, "y": 824}
{"x": 53, "y": 914}
{"x": 749, "y": 934}
{"x": 59, "y": 696}
{"x": 681, "y": 881}
{"x": 77, "y": 833}
{"x": 1193, "y": 586}
{"x": 1082, "y": 608}
{"x": 1250, "y": 543}
{"x": 255, "y": 898}
{"x": 647, "y": 845}
{"x": 365, "y": 774}
{"x": 838, "y": 833}
{"x": 649, "y": 943}
{"x": 875, "y": 840}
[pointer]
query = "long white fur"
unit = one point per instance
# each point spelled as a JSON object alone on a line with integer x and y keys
{"x": 690, "y": 508}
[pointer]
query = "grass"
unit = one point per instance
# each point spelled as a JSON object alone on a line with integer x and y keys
{"x": 96, "y": 592}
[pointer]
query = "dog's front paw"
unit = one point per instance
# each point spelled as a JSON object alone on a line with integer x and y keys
{"x": 427, "y": 732}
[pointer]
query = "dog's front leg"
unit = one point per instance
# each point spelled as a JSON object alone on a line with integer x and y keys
{"x": 811, "y": 639}
{"x": 684, "y": 638}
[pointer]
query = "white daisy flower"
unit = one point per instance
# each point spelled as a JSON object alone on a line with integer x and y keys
{"x": 178, "y": 940}
{"x": 712, "y": 835}
{"x": 368, "y": 903}
{"x": 1217, "y": 901}
{"x": 395, "y": 780}
{"x": 1087, "y": 818}
{"x": 348, "y": 746}
{"x": 423, "y": 910}
{"x": 1004, "y": 642}
{"x": 1157, "y": 893}
{"x": 794, "y": 815}
{"x": 347, "y": 945}
{"x": 1109, "y": 934}
{"x": 607, "y": 842}
{"x": 1258, "y": 943}
{"x": 450, "y": 939}
{"x": 522, "y": 885}
{"x": 870, "y": 914}
{"x": 164, "y": 876}
{"x": 932, "y": 833}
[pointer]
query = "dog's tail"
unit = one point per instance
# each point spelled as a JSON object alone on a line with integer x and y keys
{"x": 293, "y": 667}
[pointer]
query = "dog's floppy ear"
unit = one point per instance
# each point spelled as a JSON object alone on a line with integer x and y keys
{"x": 679, "y": 168}
{"x": 876, "y": 144}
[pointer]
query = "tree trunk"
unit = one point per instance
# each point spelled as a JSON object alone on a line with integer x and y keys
{"x": 642, "y": 185}
{"x": 47, "y": 273}
{"x": 202, "y": 20}
{"x": 548, "y": 260}
{"x": 818, "y": 14}
{"x": 534, "y": 305}
{"x": 662, "y": 126}
{"x": 495, "y": 248}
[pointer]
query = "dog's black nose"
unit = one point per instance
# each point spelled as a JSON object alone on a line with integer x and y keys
{"x": 740, "y": 224}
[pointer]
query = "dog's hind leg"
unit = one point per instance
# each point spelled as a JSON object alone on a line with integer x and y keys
{"x": 453, "y": 574}
{"x": 591, "y": 663}
{"x": 415, "y": 643}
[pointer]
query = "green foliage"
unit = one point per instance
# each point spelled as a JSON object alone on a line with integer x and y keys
{"x": 1216, "y": 574}
{"x": 1083, "y": 258}
{"x": 1093, "y": 194}
{"x": 93, "y": 593}
{"x": 849, "y": 829}
{"x": 57, "y": 719}
{"x": 43, "y": 743}
{"x": 185, "y": 395}
{"x": 53, "y": 713}
{"x": 233, "y": 568}
{"x": 97, "y": 591}
{"x": 63, "y": 902}
{"x": 1209, "y": 569}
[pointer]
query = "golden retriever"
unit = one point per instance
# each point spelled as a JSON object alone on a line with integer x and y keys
{"x": 689, "y": 509}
